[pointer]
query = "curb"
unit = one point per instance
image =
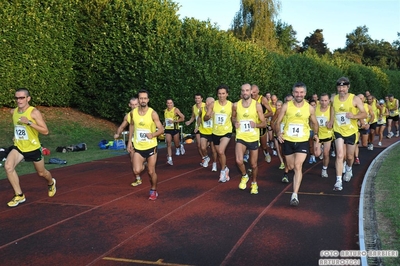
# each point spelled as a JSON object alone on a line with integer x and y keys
{"x": 366, "y": 186}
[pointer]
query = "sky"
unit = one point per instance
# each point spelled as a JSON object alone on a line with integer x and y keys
{"x": 335, "y": 18}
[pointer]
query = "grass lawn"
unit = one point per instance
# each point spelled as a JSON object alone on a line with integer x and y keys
{"x": 387, "y": 204}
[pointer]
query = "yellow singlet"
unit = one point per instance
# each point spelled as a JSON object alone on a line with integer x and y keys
{"x": 143, "y": 124}
{"x": 244, "y": 116}
{"x": 297, "y": 128}
{"x": 344, "y": 126}
{"x": 222, "y": 118}
{"x": 26, "y": 138}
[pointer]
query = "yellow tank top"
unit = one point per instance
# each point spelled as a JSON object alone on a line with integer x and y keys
{"x": 170, "y": 115}
{"x": 206, "y": 127}
{"x": 383, "y": 120}
{"x": 196, "y": 110}
{"x": 297, "y": 128}
{"x": 323, "y": 118}
{"x": 244, "y": 116}
{"x": 391, "y": 106}
{"x": 143, "y": 124}
{"x": 26, "y": 138}
{"x": 368, "y": 119}
{"x": 375, "y": 110}
{"x": 222, "y": 118}
{"x": 344, "y": 126}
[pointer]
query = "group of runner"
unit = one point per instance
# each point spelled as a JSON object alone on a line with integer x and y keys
{"x": 292, "y": 130}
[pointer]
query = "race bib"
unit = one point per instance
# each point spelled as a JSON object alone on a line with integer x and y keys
{"x": 20, "y": 133}
{"x": 342, "y": 120}
{"x": 208, "y": 123}
{"x": 295, "y": 130}
{"x": 245, "y": 126}
{"x": 169, "y": 123}
{"x": 141, "y": 135}
{"x": 220, "y": 119}
{"x": 392, "y": 113}
{"x": 322, "y": 121}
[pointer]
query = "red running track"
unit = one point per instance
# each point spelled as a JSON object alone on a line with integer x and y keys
{"x": 97, "y": 218}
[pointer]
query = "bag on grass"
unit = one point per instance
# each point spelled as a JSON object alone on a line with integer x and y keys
{"x": 118, "y": 144}
{"x": 57, "y": 161}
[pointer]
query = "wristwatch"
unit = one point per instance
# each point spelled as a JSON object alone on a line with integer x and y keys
{"x": 29, "y": 123}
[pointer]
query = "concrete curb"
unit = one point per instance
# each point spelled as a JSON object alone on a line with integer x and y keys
{"x": 366, "y": 186}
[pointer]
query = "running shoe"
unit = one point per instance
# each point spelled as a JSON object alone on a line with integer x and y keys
{"x": 136, "y": 183}
{"x": 357, "y": 161}
{"x": 311, "y": 161}
{"x": 169, "y": 161}
{"x": 347, "y": 176}
{"x": 214, "y": 167}
{"x": 222, "y": 177}
{"x": 379, "y": 143}
{"x": 333, "y": 154}
{"x": 254, "y": 188}
{"x": 294, "y": 201}
{"x": 178, "y": 152}
{"x": 182, "y": 149}
{"x": 314, "y": 160}
{"x": 285, "y": 178}
{"x": 227, "y": 178}
{"x": 274, "y": 153}
{"x": 245, "y": 158}
{"x": 338, "y": 185}
{"x": 153, "y": 195}
{"x": 282, "y": 166}
{"x": 52, "y": 189}
{"x": 324, "y": 173}
{"x": 268, "y": 158}
{"x": 397, "y": 134}
{"x": 205, "y": 162}
{"x": 16, "y": 200}
{"x": 243, "y": 182}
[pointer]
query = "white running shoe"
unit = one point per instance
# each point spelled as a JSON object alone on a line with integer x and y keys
{"x": 348, "y": 175}
{"x": 338, "y": 185}
{"x": 178, "y": 152}
{"x": 169, "y": 161}
{"x": 274, "y": 153}
{"x": 205, "y": 162}
{"x": 268, "y": 158}
{"x": 294, "y": 201}
{"x": 182, "y": 149}
{"x": 333, "y": 154}
{"x": 379, "y": 143}
{"x": 214, "y": 167}
{"x": 324, "y": 173}
{"x": 222, "y": 177}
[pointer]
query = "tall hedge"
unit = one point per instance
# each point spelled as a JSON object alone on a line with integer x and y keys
{"x": 96, "y": 54}
{"x": 36, "y": 51}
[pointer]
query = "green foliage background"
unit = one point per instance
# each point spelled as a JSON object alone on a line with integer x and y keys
{"x": 96, "y": 54}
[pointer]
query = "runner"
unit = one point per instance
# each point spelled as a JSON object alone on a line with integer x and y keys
{"x": 346, "y": 109}
{"x": 147, "y": 126}
{"x": 325, "y": 134}
{"x": 173, "y": 116}
{"x": 248, "y": 118}
{"x": 297, "y": 115}
{"x": 221, "y": 111}
{"x": 199, "y": 104}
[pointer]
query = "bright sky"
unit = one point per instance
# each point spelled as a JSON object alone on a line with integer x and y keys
{"x": 335, "y": 18}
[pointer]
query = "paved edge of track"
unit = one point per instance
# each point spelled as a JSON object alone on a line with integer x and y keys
{"x": 366, "y": 182}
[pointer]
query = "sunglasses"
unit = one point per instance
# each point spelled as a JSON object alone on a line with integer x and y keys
{"x": 20, "y": 98}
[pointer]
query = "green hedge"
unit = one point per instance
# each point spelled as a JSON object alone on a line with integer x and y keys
{"x": 96, "y": 54}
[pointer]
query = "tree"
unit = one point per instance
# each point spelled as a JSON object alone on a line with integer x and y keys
{"x": 286, "y": 37}
{"x": 254, "y": 22}
{"x": 357, "y": 40}
{"x": 316, "y": 42}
